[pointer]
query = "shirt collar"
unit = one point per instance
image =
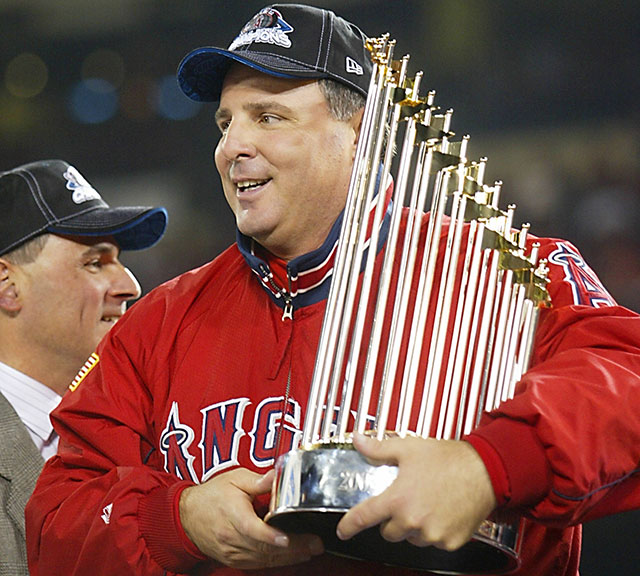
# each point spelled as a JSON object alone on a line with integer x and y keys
{"x": 32, "y": 400}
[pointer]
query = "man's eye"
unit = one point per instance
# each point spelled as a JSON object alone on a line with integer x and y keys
{"x": 94, "y": 264}
{"x": 269, "y": 119}
{"x": 223, "y": 123}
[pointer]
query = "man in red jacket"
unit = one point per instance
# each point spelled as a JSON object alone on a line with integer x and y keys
{"x": 168, "y": 442}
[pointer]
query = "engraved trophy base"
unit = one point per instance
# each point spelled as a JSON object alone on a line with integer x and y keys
{"x": 314, "y": 488}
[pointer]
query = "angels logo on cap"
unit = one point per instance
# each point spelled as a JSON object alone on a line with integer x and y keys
{"x": 267, "y": 27}
{"x": 82, "y": 190}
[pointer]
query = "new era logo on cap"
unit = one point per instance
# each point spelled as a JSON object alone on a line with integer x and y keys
{"x": 352, "y": 67}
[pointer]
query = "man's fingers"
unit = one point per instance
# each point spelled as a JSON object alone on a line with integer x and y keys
{"x": 264, "y": 483}
{"x": 301, "y": 548}
{"x": 256, "y": 529}
{"x": 393, "y": 532}
{"x": 251, "y": 483}
{"x": 361, "y": 517}
{"x": 375, "y": 451}
{"x": 259, "y": 531}
{"x": 376, "y": 509}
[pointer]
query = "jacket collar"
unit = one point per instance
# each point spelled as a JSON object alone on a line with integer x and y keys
{"x": 310, "y": 274}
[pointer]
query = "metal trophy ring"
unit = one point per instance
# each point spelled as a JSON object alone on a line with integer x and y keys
{"x": 314, "y": 488}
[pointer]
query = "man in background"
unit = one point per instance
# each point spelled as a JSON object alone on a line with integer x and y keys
{"x": 62, "y": 287}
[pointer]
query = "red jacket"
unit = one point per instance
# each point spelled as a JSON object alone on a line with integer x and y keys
{"x": 180, "y": 393}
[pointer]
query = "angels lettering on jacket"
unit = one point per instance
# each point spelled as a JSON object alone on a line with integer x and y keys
{"x": 224, "y": 424}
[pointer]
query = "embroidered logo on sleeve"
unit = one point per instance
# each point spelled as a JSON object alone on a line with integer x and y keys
{"x": 106, "y": 513}
{"x": 89, "y": 365}
{"x": 585, "y": 285}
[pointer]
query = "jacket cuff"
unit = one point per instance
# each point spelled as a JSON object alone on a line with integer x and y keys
{"x": 515, "y": 460}
{"x": 162, "y": 530}
{"x": 495, "y": 467}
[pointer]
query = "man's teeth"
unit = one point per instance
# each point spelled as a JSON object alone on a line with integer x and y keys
{"x": 250, "y": 184}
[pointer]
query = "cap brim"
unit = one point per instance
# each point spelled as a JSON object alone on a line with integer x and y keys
{"x": 133, "y": 227}
{"x": 202, "y": 71}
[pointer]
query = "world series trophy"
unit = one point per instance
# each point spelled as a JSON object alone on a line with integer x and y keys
{"x": 416, "y": 339}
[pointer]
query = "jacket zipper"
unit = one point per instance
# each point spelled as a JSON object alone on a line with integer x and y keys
{"x": 284, "y": 411}
{"x": 287, "y": 312}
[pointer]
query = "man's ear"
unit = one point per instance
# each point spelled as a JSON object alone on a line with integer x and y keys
{"x": 9, "y": 298}
{"x": 356, "y": 124}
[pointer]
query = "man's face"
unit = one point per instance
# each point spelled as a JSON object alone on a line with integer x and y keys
{"x": 284, "y": 160}
{"x": 72, "y": 294}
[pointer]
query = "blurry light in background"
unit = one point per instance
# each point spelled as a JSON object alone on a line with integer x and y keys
{"x": 93, "y": 101}
{"x": 26, "y": 75}
{"x": 17, "y": 119}
{"x": 170, "y": 102}
{"x": 136, "y": 99}
{"x": 105, "y": 64}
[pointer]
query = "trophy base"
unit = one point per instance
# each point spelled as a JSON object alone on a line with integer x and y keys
{"x": 314, "y": 488}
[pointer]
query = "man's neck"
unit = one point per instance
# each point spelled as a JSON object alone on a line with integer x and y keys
{"x": 51, "y": 373}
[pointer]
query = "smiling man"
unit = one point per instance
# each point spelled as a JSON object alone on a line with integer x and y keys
{"x": 62, "y": 288}
{"x": 272, "y": 129}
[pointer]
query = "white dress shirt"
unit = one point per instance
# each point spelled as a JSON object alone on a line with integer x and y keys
{"x": 33, "y": 402}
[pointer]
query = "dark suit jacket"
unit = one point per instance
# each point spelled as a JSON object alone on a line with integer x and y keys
{"x": 20, "y": 465}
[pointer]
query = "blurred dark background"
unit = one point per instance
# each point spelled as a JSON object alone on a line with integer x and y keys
{"x": 548, "y": 92}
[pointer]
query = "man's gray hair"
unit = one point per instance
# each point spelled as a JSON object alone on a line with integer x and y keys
{"x": 343, "y": 101}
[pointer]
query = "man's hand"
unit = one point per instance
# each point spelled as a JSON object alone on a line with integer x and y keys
{"x": 219, "y": 518}
{"x": 440, "y": 497}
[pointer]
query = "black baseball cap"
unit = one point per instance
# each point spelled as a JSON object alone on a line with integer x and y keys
{"x": 285, "y": 40}
{"x": 52, "y": 196}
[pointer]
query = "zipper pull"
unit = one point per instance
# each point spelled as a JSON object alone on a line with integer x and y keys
{"x": 287, "y": 313}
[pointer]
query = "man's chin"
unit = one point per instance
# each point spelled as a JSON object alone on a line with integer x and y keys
{"x": 249, "y": 227}
{"x": 103, "y": 329}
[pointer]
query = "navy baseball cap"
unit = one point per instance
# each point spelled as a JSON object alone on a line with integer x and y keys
{"x": 52, "y": 196}
{"x": 284, "y": 40}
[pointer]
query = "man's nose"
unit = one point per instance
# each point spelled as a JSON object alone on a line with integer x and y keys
{"x": 125, "y": 285}
{"x": 237, "y": 141}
